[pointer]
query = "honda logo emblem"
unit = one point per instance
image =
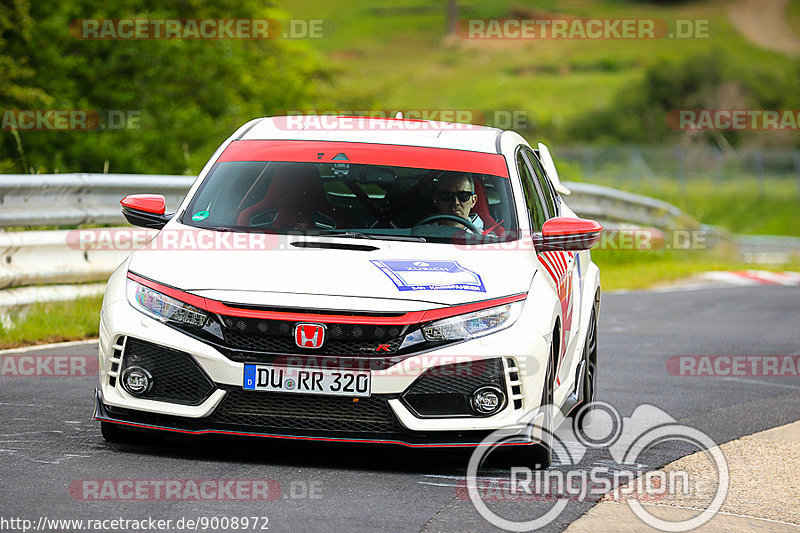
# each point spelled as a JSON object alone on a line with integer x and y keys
{"x": 309, "y": 335}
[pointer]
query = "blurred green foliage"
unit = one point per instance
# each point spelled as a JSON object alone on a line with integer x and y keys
{"x": 711, "y": 79}
{"x": 190, "y": 94}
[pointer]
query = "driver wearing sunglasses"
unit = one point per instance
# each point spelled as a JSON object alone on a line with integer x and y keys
{"x": 455, "y": 195}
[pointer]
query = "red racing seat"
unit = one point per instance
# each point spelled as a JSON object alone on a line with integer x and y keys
{"x": 481, "y": 208}
{"x": 296, "y": 192}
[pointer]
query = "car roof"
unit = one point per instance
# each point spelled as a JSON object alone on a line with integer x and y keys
{"x": 395, "y": 131}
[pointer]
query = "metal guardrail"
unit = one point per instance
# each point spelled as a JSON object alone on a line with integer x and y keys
{"x": 35, "y": 258}
{"x": 612, "y": 205}
{"x": 71, "y": 199}
{"x": 46, "y": 257}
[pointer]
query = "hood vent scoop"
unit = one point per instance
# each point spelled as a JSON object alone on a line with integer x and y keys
{"x": 335, "y": 246}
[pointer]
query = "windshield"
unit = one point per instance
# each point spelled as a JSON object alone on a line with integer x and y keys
{"x": 360, "y": 200}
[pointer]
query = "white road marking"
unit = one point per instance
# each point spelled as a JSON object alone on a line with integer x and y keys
{"x": 742, "y": 278}
{"x": 760, "y": 382}
{"x": 47, "y": 346}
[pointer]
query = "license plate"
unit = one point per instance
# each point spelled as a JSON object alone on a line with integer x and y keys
{"x": 307, "y": 380}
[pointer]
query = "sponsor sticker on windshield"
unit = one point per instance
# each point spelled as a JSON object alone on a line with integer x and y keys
{"x": 411, "y": 275}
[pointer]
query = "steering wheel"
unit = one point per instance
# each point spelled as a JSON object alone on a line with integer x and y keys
{"x": 463, "y": 221}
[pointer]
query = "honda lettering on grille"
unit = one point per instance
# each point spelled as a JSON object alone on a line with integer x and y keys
{"x": 309, "y": 335}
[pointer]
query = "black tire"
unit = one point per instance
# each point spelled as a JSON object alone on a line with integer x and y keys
{"x": 542, "y": 453}
{"x": 583, "y": 410}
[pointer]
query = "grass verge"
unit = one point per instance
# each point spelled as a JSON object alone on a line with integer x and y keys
{"x": 51, "y": 322}
{"x": 623, "y": 269}
{"x": 742, "y": 205}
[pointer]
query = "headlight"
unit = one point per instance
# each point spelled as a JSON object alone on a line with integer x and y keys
{"x": 162, "y": 307}
{"x": 474, "y": 324}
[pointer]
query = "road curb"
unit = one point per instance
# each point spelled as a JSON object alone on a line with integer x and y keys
{"x": 30, "y": 348}
{"x": 763, "y": 494}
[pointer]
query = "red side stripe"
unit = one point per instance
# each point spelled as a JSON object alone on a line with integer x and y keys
{"x": 548, "y": 268}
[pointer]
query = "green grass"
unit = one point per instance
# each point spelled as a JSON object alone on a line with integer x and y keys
{"x": 402, "y": 60}
{"x": 740, "y": 205}
{"x": 793, "y": 16}
{"x": 626, "y": 269}
{"x": 52, "y": 322}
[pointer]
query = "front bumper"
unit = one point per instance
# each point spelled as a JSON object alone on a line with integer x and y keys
{"x": 384, "y": 417}
{"x": 142, "y": 420}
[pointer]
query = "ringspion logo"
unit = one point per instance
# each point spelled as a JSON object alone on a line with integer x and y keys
{"x": 625, "y": 439}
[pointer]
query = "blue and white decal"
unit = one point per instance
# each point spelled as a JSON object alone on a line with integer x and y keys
{"x": 411, "y": 275}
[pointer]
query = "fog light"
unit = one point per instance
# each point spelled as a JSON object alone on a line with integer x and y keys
{"x": 488, "y": 400}
{"x": 136, "y": 380}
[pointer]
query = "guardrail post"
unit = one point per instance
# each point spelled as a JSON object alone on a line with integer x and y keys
{"x": 588, "y": 162}
{"x": 680, "y": 167}
{"x": 719, "y": 167}
{"x": 796, "y": 157}
{"x": 759, "y": 157}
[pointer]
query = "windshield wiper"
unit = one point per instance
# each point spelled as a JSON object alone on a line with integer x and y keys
{"x": 360, "y": 235}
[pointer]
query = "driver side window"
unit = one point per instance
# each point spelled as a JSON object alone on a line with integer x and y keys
{"x": 535, "y": 209}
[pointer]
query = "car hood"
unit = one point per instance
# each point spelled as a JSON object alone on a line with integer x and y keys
{"x": 388, "y": 275}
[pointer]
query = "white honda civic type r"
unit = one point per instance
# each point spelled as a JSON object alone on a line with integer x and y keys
{"x": 355, "y": 279}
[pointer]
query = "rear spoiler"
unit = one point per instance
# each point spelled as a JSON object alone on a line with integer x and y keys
{"x": 550, "y": 167}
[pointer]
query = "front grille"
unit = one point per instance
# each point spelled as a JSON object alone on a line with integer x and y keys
{"x": 176, "y": 375}
{"x": 446, "y": 390}
{"x": 280, "y": 411}
{"x": 277, "y": 337}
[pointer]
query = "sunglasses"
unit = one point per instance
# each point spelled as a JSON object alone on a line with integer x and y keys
{"x": 463, "y": 196}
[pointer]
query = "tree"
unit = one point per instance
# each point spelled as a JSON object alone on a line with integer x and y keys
{"x": 190, "y": 94}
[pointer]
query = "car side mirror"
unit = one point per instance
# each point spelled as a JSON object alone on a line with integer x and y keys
{"x": 145, "y": 210}
{"x": 562, "y": 234}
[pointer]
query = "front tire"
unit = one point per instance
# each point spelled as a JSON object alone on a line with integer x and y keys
{"x": 583, "y": 409}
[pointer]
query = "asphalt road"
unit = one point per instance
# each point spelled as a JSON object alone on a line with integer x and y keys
{"x": 48, "y": 441}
